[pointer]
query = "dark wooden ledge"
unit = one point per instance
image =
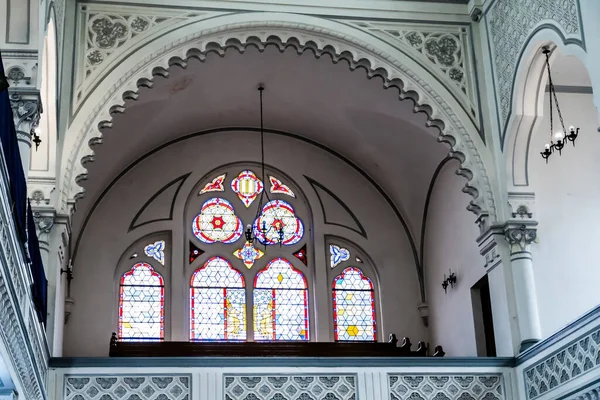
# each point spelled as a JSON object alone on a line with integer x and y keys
{"x": 264, "y": 349}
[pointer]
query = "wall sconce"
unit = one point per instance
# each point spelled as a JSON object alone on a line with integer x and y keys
{"x": 450, "y": 280}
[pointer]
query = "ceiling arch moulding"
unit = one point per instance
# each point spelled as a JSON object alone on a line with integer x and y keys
{"x": 112, "y": 33}
{"x": 444, "y": 49}
{"x": 335, "y": 211}
{"x": 159, "y": 207}
{"x": 510, "y": 25}
{"x": 321, "y": 37}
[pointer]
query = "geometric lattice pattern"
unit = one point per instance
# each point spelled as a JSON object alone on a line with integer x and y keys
{"x": 217, "y": 302}
{"x": 446, "y": 387}
{"x": 353, "y": 307}
{"x": 105, "y": 387}
{"x": 217, "y": 222}
{"x": 141, "y": 304}
{"x": 277, "y": 215}
{"x": 280, "y": 303}
{"x": 572, "y": 360}
{"x": 248, "y": 254}
{"x": 290, "y": 387}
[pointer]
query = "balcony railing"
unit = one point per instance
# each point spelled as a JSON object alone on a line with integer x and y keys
{"x": 21, "y": 332}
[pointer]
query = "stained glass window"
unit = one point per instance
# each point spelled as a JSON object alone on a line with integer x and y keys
{"x": 216, "y": 185}
{"x": 195, "y": 252}
{"x": 353, "y": 307}
{"x": 338, "y": 255}
{"x": 276, "y": 215}
{"x": 278, "y": 187}
{"x": 280, "y": 303}
{"x": 301, "y": 255}
{"x": 141, "y": 304}
{"x": 217, "y": 302}
{"x": 247, "y": 186}
{"x": 248, "y": 254}
{"x": 156, "y": 250}
{"x": 217, "y": 222}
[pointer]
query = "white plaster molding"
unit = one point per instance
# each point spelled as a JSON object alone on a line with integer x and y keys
{"x": 522, "y": 205}
{"x": 108, "y": 33}
{"x": 511, "y": 24}
{"x": 301, "y": 32}
{"x": 444, "y": 49}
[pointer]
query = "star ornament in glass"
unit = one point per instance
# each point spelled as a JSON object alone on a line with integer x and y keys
{"x": 217, "y": 222}
{"x": 278, "y": 187}
{"x": 338, "y": 255}
{"x": 248, "y": 254}
{"x": 247, "y": 186}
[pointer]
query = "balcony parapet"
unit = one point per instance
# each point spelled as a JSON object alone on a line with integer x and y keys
{"x": 20, "y": 330}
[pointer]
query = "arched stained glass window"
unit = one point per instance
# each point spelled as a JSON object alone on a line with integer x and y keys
{"x": 141, "y": 304}
{"x": 280, "y": 303}
{"x": 276, "y": 215}
{"x": 217, "y": 302}
{"x": 353, "y": 307}
{"x": 217, "y": 222}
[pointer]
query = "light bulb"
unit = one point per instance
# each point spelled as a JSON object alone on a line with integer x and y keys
{"x": 248, "y": 226}
{"x": 547, "y": 146}
{"x": 559, "y": 136}
{"x": 37, "y": 130}
{"x": 571, "y": 128}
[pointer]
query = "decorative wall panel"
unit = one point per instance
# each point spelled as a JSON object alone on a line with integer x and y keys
{"x": 290, "y": 387}
{"x": 510, "y": 24}
{"x": 446, "y": 387}
{"x": 107, "y": 387}
{"x": 573, "y": 360}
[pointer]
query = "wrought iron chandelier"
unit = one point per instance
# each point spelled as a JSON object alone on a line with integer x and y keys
{"x": 257, "y": 232}
{"x": 562, "y": 136}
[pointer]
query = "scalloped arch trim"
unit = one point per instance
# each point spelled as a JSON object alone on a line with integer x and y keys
{"x": 339, "y": 45}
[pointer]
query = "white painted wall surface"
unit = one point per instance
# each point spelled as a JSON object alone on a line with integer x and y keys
{"x": 105, "y": 239}
{"x": 567, "y": 191}
{"x": 450, "y": 243}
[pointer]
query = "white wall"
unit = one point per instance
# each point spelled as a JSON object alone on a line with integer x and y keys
{"x": 450, "y": 243}
{"x": 106, "y": 238}
{"x": 567, "y": 190}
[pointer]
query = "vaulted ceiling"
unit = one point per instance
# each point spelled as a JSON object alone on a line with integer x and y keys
{"x": 317, "y": 99}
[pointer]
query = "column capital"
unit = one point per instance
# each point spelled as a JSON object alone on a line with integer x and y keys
{"x": 44, "y": 222}
{"x": 26, "y": 105}
{"x": 520, "y": 234}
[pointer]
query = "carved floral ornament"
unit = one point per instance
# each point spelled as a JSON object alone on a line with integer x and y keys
{"x": 301, "y": 36}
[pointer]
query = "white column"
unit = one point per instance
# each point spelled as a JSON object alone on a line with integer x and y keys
{"x": 26, "y": 107}
{"x": 520, "y": 238}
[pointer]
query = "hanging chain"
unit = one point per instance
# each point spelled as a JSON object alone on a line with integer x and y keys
{"x": 553, "y": 96}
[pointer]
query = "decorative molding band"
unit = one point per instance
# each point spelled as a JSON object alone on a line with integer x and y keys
{"x": 177, "y": 183}
{"x": 319, "y": 187}
{"x": 574, "y": 359}
{"x": 448, "y": 387}
{"x": 288, "y": 387}
{"x": 571, "y": 89}
{"x": 141, "y": 387}
{"x": 328, "y": 362}
{"x": 19, "y": 329}
{"x": 510, "y": 25}
{"x": 302, "y": 37}
{"x": 590, "y": 391}
{"x": 577, "y": 325}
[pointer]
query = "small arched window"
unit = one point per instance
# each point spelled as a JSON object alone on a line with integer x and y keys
{"x": 217, "y": 302}
{"x": 141, "y": 304}
{"x": 280, "y": 303}
{"x": 353, "y": 307}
